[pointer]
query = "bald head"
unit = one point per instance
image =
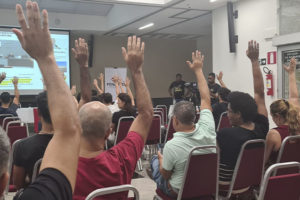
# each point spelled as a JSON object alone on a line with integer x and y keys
{"x": 95, "y": 120}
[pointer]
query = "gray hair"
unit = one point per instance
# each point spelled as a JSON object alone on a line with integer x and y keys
{"x": 95, "y": 120}
{"x": 185, "y": 112}
{"x": 4, "y": 153}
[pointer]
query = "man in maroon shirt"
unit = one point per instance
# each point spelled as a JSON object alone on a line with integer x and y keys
{"x": 98, "y": 168}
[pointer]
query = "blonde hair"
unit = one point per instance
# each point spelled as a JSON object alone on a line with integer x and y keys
{"x": 289, "y": 113}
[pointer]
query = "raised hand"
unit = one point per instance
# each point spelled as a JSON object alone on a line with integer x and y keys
{"x": 292, "y": 67}
{"x": 15, "y": 80}
{"x": 220, "y": 76}
{"x": 127, "y": 82}
{"x": 253, "y": 50}
{"x": 34, "y": 37}
{"x": 2, "y": 76}
{"x": 120, "y": 81}
{"x": 81, "y": 52}
{"x": 115, "y": 79}
{"x": 197, "y": 60}
{"x": 134, "y": 55}
{"x": 101, "y": 76}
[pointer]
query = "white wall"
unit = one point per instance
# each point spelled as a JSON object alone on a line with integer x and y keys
{"x": 204, "y": 44}
{"x": 257, "y": 21}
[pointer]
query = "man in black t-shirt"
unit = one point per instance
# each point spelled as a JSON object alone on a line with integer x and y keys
{"x": 176, "y": 89}
{"x": 8, "y": 107}
{"x": 30, "y": 150}
{"x": 221, "y": 106}
{"x": 248, "y": 116}
{"x": 213, "y": 87}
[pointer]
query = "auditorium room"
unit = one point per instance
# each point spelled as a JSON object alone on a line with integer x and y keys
{"x": 149, "y": 99}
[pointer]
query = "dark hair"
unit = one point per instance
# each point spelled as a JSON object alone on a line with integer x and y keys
{"x": 107, "y": 98}
{"x": 243, "y": 103}
{"x": 185, "y": 112}
{"x": 223, "y": 93}
{"x": 179, "y": 75}
{"x": 127, "y": 103}
{"x": 43, "y": 108}
{"x": 212, "y": 74}
{"x": 5, "y": 97}
{"x": 94, "y": 93}
{"x": 95, "y": 98}
{"x": 100, "y": 98}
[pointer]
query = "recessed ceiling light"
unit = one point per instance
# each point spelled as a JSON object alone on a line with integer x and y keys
{"x": 212, "y": 1}
{"x": 160, "y": 2}
{"x": 146, "y": 26}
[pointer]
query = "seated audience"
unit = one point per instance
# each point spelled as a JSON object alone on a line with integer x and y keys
{"x": 221, "y": 106}
{"x": 248, "y": 117}
{"x": 8, "y": 107}
{"x": 285, "y": 114}
{"x": 98, "y": 168}
{"x": 167, "y": 170}
{"x": 31, "y": 149}
{"x": 213, "y": 87}
{"x": 56, "y": 179}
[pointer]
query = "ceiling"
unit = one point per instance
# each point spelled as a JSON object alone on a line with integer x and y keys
{"x": 178, "y": 19}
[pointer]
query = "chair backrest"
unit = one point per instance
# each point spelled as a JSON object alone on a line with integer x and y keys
{"x": 9, "y": 119}
{"x": 36, "y": 169}
{"x": 249, "y": 167}
{"x": 223, "y": 122}
{"x": 2, "y": 116}
{"x": 16, "y": 132}
{"x": 289, "y": 152}
{"x": 280, "y": 187}
{"x": 170, "y": 131}
{"x": 200, "y": 174}
{"x": 159, "y": 111}
{"x": 113, "y": 190}
{"x": 123, "y": 128}
{"x": 154, "y": 135}
{"x": 36, "y": 120}
{"x": 165, "y": 110}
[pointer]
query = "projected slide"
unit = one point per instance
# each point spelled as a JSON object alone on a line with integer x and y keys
{"x": 16, "y": 62}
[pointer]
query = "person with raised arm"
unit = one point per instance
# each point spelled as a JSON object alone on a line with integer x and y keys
{"x": 57, "y": 176}
{"x": 249, "y": 119}
{"x": 285, "y": 115}
{"x": 220, "y": 79}
{"x": 129, "y": 92}
{"x": 167, "y": 170}
{"x": 8, "y": 106}
{"x": 114, "y": 166}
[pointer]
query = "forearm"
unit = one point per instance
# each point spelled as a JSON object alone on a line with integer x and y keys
{"x": 102, "y": 85}
{"x": 222, "y": 84}
{"x": 203, "y": 89}
{"x": 121, "y": 87}
{"x": 117, "y": 89}
{"x": 130, "y": 94}
{"x": 257, "y": 79}
{"x": 85, "y": 85}
{"x": 17, "y": 94}
{"x": 293, "y": 91}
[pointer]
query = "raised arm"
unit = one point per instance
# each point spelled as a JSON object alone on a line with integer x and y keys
{"x": 95, "y": 82}
{"x": 220, "y": 79}
{"x": 259, "y": 93}
{"x": 81, "y": 54}
{"x": 134, "y": 58}
{"x": 17, "y": 93}
{"x": 2, "y": 76}
{"x": 197, "y": 66}
{"x": 62, "y": 151}
{"x": 120, "y": 82}
{"x": 293, "y": 91}
{"x": 115, "y": 80}
{"x": 127, "y": 84}
{"x": 101, "y": 79}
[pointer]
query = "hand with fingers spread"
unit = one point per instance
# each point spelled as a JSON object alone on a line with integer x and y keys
{"x": 197, "y": 60}
{"x": 292, "y": 67}
{"x": 2, "y": 76}
{"x": 220, "y": 76}
{"x": 34, "y": 37}
{"x": 81, "y": 52}
{"x": 253, "y": 50}
{"x": 134, "y": 55}
{"x": 15, "y": 80}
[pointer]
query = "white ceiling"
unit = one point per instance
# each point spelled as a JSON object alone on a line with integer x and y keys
{"x": 180, "y": 19}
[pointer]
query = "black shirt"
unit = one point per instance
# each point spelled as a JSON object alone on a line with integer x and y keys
{"x": 122, "y": 113}
{"x": 30, "y": 150}
{"x": 178, "y": 89}
{"x": 230, "y": 141}
{"x": 214, "y": 89}
{"x": 11, "y": 110}
{"x": 50, "y": 184}
{"x": 218, "y": 109}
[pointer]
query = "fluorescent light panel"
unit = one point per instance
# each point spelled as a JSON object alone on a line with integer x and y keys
{"x": 160, "y": 2}
{"x": 212, "y": 1}
{"x": 146, "y": 26}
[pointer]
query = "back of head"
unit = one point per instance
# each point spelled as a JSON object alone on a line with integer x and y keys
{"x": 107, "y": 98}
{"x": 288, "y": 113}
{"x": 223, "y": 93}
{"x": 185, "y": 112}
{"x": 5, "y": 97}
{"x": 95, "y": 120}
{"x": 127, "y": 102}
{"x": 243, "y": 103}
{"x": 43, "y": 108}
{"x": 4, "y": 154}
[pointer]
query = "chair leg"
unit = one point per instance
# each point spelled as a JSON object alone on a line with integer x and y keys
{"x": 140, "y": 165}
